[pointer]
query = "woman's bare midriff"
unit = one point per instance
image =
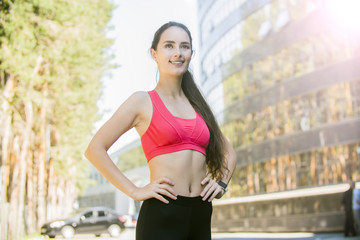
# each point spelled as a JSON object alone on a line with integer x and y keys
{"x": 187, "y": 168}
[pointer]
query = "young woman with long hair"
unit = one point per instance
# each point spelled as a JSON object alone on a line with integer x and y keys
{"x": 190, "y": 160}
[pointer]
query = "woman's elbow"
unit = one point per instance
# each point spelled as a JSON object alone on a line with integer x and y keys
{"x": 90, "y": 150}
{"x": 87, "y": 152}
{"x": 94, "y": 149}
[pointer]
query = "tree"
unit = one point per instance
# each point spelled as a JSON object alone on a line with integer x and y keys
{"x": 52, "y": 58}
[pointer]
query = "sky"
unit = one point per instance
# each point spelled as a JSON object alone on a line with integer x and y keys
{"x": 134, "y": 24}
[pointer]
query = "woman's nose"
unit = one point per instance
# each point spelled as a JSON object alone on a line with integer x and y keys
{"x": 177, "y": 51}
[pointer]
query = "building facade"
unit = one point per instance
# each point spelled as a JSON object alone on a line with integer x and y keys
{"x": 283, "y": 80}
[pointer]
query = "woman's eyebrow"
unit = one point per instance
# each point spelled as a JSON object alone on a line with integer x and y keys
{"x": 170, "y": 41}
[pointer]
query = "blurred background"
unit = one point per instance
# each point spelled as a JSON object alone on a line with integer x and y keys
{"x": 282, "y": 77}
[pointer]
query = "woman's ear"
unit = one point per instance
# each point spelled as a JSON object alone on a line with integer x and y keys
{"x": 153, "y": 54}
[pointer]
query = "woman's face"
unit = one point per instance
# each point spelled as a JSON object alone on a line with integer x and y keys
{"x": 173, "y": 53}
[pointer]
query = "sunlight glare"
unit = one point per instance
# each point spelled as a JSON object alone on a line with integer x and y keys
{"x": 345, "y": 13}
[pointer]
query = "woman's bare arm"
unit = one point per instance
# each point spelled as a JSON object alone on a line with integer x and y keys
{"x": 127, "y": 116}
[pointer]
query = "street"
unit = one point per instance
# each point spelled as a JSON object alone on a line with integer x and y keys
{"x": 129, "y": 234}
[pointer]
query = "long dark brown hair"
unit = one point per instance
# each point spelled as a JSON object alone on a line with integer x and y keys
{"x": 215, "y": 152}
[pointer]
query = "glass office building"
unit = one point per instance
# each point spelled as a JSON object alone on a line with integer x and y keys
{"x": 284, "y": 82}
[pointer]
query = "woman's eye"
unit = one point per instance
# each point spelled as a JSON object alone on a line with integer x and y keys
{"x": 186, "y": 46}
{"x": 168, "y": 46}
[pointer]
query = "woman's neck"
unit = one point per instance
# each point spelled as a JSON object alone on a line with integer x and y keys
{"x": 170, "y": 87}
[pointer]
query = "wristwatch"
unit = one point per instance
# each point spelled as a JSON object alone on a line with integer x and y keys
{"x": 223, "y": 186}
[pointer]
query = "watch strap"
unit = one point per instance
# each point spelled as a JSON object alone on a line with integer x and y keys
{"x": 223, "y": 185}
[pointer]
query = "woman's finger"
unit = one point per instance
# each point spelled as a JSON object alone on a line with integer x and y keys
{"x": 209, "y": 183}
{"x": 166, "y": 193}
{"x": 205, "y": 190}
{"x": 209, "y": 189}
{"x": 161, "y": 198}
{"x": 165, "y": 180}
{"x": 162, "y": 187}
{"x": 217, "y": 191}
{"x": 169, "y": 190}
{"x": 205, "y": 181}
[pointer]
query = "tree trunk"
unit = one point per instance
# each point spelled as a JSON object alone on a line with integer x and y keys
{"x": 41, "y": 199}
{"x": 6, "y": 120}
{"x": 14, "y": 190}
{"x": 31, "y": 189}
{"x": 30, "y": 202}
{"x": 52, "y": 194}
{"x": 24, "y": 157}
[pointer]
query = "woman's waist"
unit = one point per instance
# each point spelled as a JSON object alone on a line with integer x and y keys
{"x": 183, "y": 185}
{"x": 187, "y": 201}
{"x": 185, "y": 169}
{"x": 186, "y": 184}
{"x": 188, "y": 190}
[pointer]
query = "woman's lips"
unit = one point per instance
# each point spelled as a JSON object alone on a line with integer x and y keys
{"x": 177, "y": 63}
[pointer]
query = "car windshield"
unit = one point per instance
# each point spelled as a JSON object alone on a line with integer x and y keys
{"x": 75, "y": 213}
{"x": 100, "y": 213}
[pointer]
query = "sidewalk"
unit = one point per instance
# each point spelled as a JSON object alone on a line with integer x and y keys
{"x": 129, "y": 234}
{"x": 297, "y": 236}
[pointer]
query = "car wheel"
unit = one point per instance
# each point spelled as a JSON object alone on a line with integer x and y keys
{"x": 114, "y": 230}
{"x": 68, "y": 231}
{"x": 97, "y": 235}
{"x": 51, "y": 236}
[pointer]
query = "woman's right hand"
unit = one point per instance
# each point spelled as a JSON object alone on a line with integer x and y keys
{"x": 156, "y": 189}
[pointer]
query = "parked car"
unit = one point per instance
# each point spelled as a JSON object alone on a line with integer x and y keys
{"x": 96, "y": 221}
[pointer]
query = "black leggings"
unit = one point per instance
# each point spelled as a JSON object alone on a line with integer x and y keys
{"x": 182, "y": 219}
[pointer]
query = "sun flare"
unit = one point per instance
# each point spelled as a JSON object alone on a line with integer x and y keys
{"x": 345, "y": 13}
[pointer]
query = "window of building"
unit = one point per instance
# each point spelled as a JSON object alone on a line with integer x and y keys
{"x": 323, "y": 166}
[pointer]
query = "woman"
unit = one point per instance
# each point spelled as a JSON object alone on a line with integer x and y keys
{"x": 189, "y": 159}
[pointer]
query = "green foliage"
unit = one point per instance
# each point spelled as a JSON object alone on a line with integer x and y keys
{"x": 55, "y": 49}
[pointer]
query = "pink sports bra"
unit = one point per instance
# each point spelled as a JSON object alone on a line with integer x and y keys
{"x": 168, "y": 133}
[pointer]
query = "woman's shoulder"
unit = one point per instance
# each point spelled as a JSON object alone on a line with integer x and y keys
{"x": 139, "y": 97}
{"x": 139, "y": 103}
{"x": 138, "y": 100}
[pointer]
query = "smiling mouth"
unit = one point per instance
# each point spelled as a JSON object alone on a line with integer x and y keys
{"x": 177, "y": 62}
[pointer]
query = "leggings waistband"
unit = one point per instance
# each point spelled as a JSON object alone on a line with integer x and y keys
{"x": 186, "y": 201}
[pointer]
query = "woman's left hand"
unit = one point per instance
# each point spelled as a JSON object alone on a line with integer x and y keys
{"x": 211, "y": 190}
